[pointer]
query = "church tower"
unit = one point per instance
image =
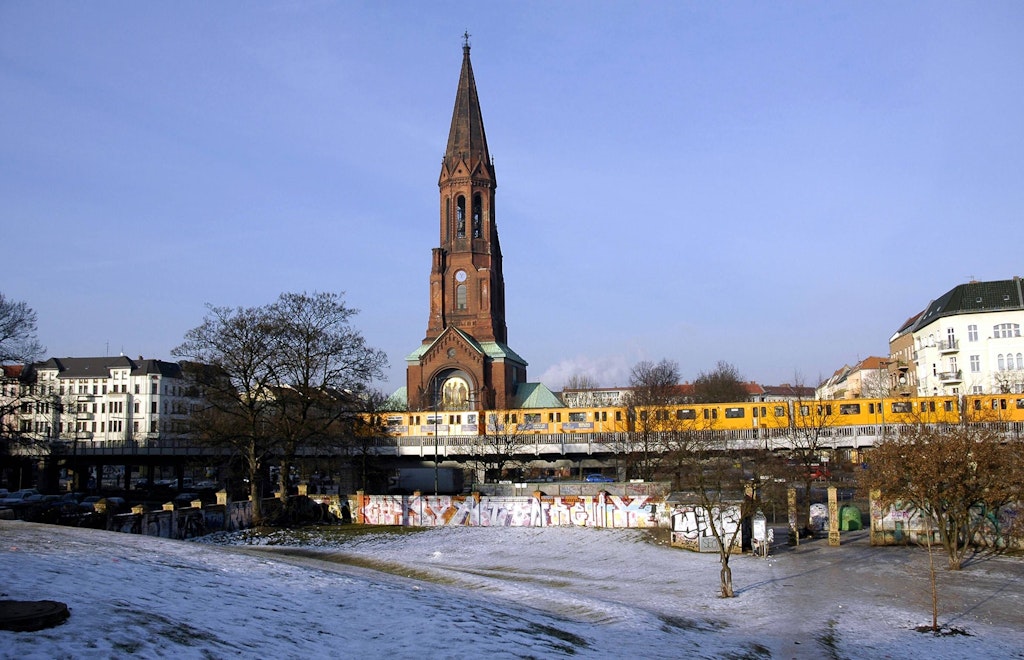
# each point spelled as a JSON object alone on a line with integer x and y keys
{"x": 464, "y": 362}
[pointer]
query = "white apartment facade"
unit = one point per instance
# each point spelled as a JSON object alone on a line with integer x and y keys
{"x": 969, "y": 341}
{"x": 106, "y": 399}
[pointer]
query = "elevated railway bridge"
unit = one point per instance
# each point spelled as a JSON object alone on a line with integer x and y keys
{"x": 578, "y": 450}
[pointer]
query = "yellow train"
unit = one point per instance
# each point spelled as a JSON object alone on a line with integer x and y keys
{"x": 708, "y": 417}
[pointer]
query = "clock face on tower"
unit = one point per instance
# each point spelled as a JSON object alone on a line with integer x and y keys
{"x": 460, "y": 276}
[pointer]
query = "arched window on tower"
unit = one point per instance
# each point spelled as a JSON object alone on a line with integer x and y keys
{"x": 460, "y": 296}
{"x": 460, "y": 222}
{"x": 447, "y": 219}
{"x": 477, "y": 212}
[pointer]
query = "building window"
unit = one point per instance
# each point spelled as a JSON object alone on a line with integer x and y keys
{"x": 1005, "y": 330}
{"x": 1020, "y": 360}
{"x": 460, "y": 296}
{"x": 975, "y": 364}
{"x": 972, "y": 333}
{"x": 1002, "y": 364}
{"x": 460, "y": 217}
{"x": 477, "y": 212}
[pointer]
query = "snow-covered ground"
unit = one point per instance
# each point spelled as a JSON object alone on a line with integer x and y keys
{"x": 502, "y": 592}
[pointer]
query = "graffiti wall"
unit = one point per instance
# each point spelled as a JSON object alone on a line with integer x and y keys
{"x": 691, "y": 527}
{"x": 436, "y": 510}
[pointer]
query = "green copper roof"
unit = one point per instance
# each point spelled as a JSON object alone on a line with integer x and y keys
{"x": 536, "y": 395}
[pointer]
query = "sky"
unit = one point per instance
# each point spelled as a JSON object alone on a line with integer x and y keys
{"x": 463, "y": 592}
{"x": 774, "y": 185}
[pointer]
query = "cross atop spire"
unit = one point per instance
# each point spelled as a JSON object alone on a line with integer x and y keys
{"x": 465, "y": 39}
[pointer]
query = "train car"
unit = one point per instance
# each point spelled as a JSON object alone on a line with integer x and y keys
{"x": 713, "y": 416}
{"x": 406, "y": 424}
{"x": 536, "y": 421}
{"x": 864, "y": 412}
{"x": 994, "y": 408}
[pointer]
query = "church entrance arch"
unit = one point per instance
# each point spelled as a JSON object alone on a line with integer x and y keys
{"x": 454, "y": 389}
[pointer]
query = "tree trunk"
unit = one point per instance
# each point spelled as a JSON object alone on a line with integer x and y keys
{"x": 726, "y": 577}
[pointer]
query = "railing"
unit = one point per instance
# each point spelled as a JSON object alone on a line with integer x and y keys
{"x": 560, "y": 444}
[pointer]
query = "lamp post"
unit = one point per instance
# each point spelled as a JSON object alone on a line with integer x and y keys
{"x": 435, "y": 436}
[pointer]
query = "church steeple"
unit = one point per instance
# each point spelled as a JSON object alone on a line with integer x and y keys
{"x": 467, "y": 285}
{"x": 466, "y": 139}
{"x": 464, "y": 362}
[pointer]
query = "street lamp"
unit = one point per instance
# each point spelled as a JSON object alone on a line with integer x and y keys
{"x": 435, "y": 398}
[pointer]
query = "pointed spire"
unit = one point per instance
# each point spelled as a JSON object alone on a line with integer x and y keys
{"x": 466, "y": 139}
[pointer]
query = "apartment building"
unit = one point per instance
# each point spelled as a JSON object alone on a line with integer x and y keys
{"x": 102, "y": 399}
{"x": 968, "y": 341}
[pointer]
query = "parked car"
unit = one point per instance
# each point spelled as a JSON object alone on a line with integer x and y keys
{"x": 18, "y": 496}
{"x": 599, "y": 478}
{"x": 111, "y": 503}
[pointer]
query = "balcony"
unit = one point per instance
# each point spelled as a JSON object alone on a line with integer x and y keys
{"x": 950, "y": 377}
{"x": 85, "y": 416}
{"x": 947, "y": 347}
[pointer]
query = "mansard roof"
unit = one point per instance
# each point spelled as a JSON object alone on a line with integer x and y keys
{"x": 99, "y": 367}
{"x": 973, "y": 298}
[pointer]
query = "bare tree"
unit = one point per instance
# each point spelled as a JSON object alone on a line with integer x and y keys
{"x": 19, "y": 348}
{"x": 369, "y": 428}
{"x": 810, "y": 432}
{"x": 230, "y": 357}
{"x": 654, "y": 388}
{"x": 278, "y": 377}
{"x": 319, "y": 370}
{"x": 957, "y": 477}
{"x": 580, "y": 382}
{"x": 725, "y": 494}
{"x": 722, "y": 385}
{"x": 18, "y": 342}
{"x": 499, "y": 447}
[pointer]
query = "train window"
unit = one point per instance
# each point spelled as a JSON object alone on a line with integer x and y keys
{"x": 555, "y": 417}
{"x": 618, "y": 415}
{"x": 780, "y": 411}
{"x": 643, "y": 415}
{"x": 434, "y": 419}
{"x": 931, "y": 406}
{"x": 734, "y": 413}
{"x": 977, "y": 404}
{"x": 805, "y": 410}
{"x": 902, "y": 407}
{"x": 711, "y": 413}
{"x": 603, "y": 416}
{"x": 998, "y": 404}
{"x": 394, "y": 420}
{"x": 577, "y": 417}
{"x": 1020, "y": 403}
{"x": 661, "y": 415}
{"x": 471, "y": 418}
{"x": 686, "y": 413}
{"x": 871, "y": 409}
{"x": 849, "y": 409}
{"x": 948, "y": 406}
{"x": 531, "y": 418}
{"x": 454, "y": 419}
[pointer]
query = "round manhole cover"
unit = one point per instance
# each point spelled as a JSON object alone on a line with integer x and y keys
{"x": 31, "y": 614}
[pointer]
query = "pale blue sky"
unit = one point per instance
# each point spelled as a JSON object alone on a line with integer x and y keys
{"x": 778, "y": 185}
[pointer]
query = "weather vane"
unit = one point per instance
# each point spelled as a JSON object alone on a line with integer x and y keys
{"x": 465, "y": 39}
